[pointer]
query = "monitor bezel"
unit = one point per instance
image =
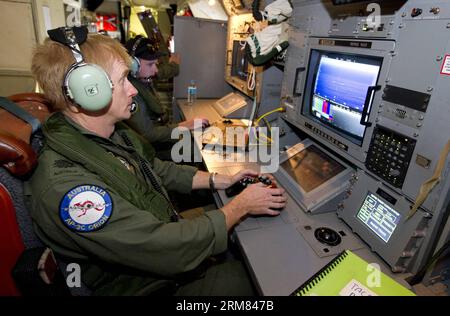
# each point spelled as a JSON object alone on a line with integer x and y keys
{"x": 311, "y": 78}
{"x": 223, "y": 112}
{"x": 327, "y": 137}
{"x": 402, "y": 234}
{"x": 234, "y": 33}
{"x": 320, "y": 195}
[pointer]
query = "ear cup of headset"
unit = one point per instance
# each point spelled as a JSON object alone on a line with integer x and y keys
{"x": 135, "y": 66}
{"x": 89, "y": 86}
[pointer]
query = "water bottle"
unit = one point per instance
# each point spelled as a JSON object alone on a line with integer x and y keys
{"x": 192, "y": 92}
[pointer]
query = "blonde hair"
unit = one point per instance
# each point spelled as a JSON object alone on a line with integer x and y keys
{"x": 52, "y": 60}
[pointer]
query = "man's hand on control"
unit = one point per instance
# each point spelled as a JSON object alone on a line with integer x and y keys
{"x": 259, "y": 199}
{"x": 248, "y": 173}
{"x": 256, "y": 199}
{"x": 222, "y": 181}
{"x": 241, "y": 175}
{"x": 198, "y": 122}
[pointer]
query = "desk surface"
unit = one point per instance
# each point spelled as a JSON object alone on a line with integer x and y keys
{"x": 229, "y": 159}
{"x": 278, "y": 249}
{"x": 201, "y": 108}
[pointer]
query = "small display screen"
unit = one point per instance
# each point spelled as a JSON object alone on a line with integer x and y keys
{"x": 232, "y": 100}
{"x": 311, "y": 167}
{"x": 378, "y": 216}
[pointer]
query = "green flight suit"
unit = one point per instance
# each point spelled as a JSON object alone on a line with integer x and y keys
{"x": 139, "y": 250}
{"x": 168, "y": 70}
{"x": 150, "y": 118}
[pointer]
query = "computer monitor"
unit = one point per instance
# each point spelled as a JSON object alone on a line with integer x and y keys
{"x": 229, "y": 104}
{"x": 339, "y": 91}
{"x": 311, "y": 167}
{"x": 314, "y": 177}
{"x": 239, "y": 62}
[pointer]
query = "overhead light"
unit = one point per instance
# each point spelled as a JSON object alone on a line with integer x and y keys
{"x": 211, "y": 2}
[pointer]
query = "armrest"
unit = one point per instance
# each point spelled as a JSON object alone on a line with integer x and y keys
{"x": 16, "y": 155}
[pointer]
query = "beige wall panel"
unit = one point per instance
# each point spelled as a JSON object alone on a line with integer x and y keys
{"x": 55, "y": 17}
{"x": 17, "y": 35}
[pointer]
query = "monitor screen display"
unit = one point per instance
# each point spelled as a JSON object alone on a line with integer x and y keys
{"x": 231, "y": 101}
{"x": 311, "y": 167}
{"x": 239, "y": 63}
{"x": 338, "y": 88}
{"x": 378, "y": 216}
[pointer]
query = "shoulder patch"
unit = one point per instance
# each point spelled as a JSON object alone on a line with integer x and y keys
{"x": 85, "y": 208}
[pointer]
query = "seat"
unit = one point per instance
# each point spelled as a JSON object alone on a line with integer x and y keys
{"x": 11, "y": 243}
{"x": 20, "y": 248}
{"x": 17, "y": 158}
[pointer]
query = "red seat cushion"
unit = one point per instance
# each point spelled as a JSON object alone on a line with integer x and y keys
{"x": 11, "y": 244}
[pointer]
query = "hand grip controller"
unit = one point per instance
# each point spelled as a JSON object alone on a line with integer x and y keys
{"x": 239, "y": 186}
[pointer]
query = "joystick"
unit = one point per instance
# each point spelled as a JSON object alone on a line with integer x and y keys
{"x": 239, "y": 186}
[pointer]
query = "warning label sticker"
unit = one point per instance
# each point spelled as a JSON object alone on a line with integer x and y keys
{"x": 445, "y": 69}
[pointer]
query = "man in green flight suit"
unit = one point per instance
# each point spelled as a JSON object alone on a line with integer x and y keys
{"x": 150, "y": 119}
{"x": 99, "y": 196}
{"x": 169, "y": 67}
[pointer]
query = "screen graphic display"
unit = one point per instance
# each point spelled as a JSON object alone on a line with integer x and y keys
{"x": 340, "y": 86}
{"x": 311, "y": 167}
{"x": 378, "y": 216}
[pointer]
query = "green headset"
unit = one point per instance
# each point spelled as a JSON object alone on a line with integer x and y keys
{"x": 135, "y": 62}
{"x": 85, "y": 84}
